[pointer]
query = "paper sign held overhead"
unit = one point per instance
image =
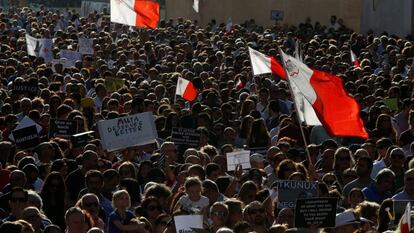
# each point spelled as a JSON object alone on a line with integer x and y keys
{"x": 62, "y": 128}
{"x": 238, "y": 158}
{"x": 124, "y": 132}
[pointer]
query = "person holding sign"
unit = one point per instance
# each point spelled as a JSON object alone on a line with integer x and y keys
{"x": 193, "y": 201}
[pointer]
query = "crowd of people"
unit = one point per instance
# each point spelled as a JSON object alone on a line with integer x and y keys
{"x": 58, "y": 186}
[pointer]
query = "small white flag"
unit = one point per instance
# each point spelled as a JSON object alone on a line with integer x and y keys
{"x": 196, "y": 4}
{"x": 229, "y": 25}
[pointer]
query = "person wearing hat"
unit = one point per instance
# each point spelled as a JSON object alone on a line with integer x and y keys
{"x": 346, "y": 222}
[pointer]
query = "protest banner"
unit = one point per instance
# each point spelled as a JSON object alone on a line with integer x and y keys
{"x": 184, "y": 223}
{"x": 26, "y": 137}
{"x": 399, "y": 208}
{"x": 318, "y": 212}
{"x": 238, "y": 158}
{"x": 81, "y": 139}
{"x": 30, "y": 88}
{"x": 26, "y": 122}
{"x": 40, "y": 47}
{"x": 114, "y": 84}
{"x": 185, "y": 138}
{"x": 85, "y": 46}
{"x": 291, "y": 190}
{"x": 71, "y": 56}
{"x": 63, "y": 61}
{"x": 124, "y": 132}
{"x": 62, "y": 128}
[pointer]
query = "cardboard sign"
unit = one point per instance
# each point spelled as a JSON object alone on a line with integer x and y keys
{"x": 114, "y": 84}
{"x": 399, "y": 209}
{"x": 81, "y": 139}
{"x": 85, "y": 46}
{"x": 319, "y": 212}
{"x": 26, "y": 137}
{"x": 124, "y": 132}
{"x": 62, "y": 128}
{"x": 185, "y": 138}
{"x": 277, "y": 15}
{"x": 185, "y": 223}
{"x": 291, "y": 190}
{"x": 238, "y": 158}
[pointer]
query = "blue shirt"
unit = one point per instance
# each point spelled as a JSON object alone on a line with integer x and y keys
{"x": 111, "y": 228}
{"x": 403, "y": 195}
{"x": 371, "y": 194}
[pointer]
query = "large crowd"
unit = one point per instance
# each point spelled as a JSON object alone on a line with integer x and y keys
{"x": 57, "y": 186}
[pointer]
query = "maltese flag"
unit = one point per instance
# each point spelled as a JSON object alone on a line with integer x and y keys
{"x": 336, "y": 110}
{"x": 354, "y": 59}
{"x": 138, "y": 13}
{"x": 262, "y": 64}
{"x": 186, "y": 89}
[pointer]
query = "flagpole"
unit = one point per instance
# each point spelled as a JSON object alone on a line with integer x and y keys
{"x": 297, "y": 111}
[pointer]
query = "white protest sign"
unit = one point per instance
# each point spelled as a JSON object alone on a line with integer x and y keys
{"x": 238, "y": 158}
{"x": 85, "y": 46}
{"x": 124, "y": 132}
{"x": 184, "y": 223}
{"x": 65, "y": 63}
{"x": 71, "y": 55}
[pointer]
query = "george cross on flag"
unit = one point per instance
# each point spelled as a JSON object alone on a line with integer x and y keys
{"x": 336, "y": 110}
{"x": 139, "y": 13}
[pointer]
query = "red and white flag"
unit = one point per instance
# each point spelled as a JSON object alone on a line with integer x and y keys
{"x": 262, "y": 64}
{"x": 336, "y": 110}
{"x": 186, "y": 89}
{"x": 354, "y": 59}
{"x": 405, "y": 222}
{"x": 137, "y": 13}
{"x": 239, "y": 84}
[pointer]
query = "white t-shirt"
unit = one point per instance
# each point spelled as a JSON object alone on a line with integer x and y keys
{"x": 192, "y": 206}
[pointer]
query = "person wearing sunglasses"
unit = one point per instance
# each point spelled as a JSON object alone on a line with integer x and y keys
{"x": 18, "y": 201}
{"x": 219, "y": 213}
{"x": 151, "y": 209}
{"x": 254, "y": 213}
